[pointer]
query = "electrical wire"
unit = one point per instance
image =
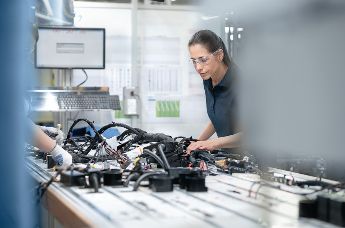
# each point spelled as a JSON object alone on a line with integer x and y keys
{"x": 129, "y": 178}
{"x": 143, "y": 177}
{"x": 42, "y": 187}
{"x": 86, "y": 78}
{"x": 161, "y": 148}
{"x": 148, "y": 152}
{"x": 96, "y": 139}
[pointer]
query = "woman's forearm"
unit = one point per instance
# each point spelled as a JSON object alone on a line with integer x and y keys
{"x": 42, "y": 141}
{"x": 207, "y": 132}
{"x": 230, "y": 141}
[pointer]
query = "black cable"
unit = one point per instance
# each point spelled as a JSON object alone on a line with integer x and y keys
{"x": 113, "y": 124}
{"x": 143, "y": 177}
{"x": 179, "y": 137}
{"x": 96, "y": 139}
{"x": 161, "y": 148}
{"x": 86, "y": 78}
{"x": 128, "y": 132}
{"x": 42, "y": 187}
{"x": 184, "y": 139}
{"x": 129, "y": 178}
{"x": 124, "y": 135}
{"x": 312, "y": 183}
{"x": 81, "y": 120}
{"x": 94, "y": 181}
{"x": 148, "y": 152}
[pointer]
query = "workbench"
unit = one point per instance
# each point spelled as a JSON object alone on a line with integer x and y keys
{"x": 231, "y": 201}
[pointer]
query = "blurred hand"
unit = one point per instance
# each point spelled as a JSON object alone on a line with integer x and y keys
{"x": 202, "y": 145}
{"x": 53, "y": 133}
{"x": 61, "y": 157}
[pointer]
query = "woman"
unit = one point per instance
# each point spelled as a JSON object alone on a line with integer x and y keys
{"x": 212, "y": 62}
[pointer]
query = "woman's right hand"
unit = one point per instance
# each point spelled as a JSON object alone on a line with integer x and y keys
{"x": 203, "y": 145}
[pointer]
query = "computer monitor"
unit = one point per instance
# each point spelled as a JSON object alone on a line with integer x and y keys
{"x": 70, "y": 48}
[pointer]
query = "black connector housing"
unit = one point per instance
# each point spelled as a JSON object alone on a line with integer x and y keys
{"x": 161, "y": 183}
{"x": 195, "y": 184}
{"x": 337, "y": 211}
{"x": 192, "y": 173}
{"x": 50, "y": 161}
{"x": 176, "y": 172}
{"x": 323, "y": 202}
{"x": 72, "y": 178}
{"x": 308, "y": 208}
{"x": 112, "y": 177}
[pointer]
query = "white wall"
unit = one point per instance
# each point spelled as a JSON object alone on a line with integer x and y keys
{"x": 164, "y": 69}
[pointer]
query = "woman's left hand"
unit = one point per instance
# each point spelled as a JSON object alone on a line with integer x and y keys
{"x": 203, "y": 145}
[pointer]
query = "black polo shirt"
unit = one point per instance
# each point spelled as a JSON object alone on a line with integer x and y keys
{"x": 221, "y": 103}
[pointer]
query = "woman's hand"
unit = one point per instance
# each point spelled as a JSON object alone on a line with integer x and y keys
{"x": 203, "y": 145}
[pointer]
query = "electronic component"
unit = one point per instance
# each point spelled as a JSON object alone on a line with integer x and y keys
{"x": 112, "y": 177}
{"x": 161, "y": 183}
{"x": 176, "y": 172}
{"x": 50, "y": 161}
{"x": 337, "y": 211}
{"x": 308, "y": 208}
{"x": 72, "y": 178}
{"x": 323, "y": 207}
{"x": 195, "y": 184}
{"x": 192, "y": 173}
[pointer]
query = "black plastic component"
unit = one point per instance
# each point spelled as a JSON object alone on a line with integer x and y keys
{"x": 311, "y": 183}
{"x": 237, "y": 166}
{"x": 308, "y": 208}
{"x": 94, "y": 179}
{"x": 112, "y": 177}
{"x": 337, "y": 211}
{"x": 161, "y": 183}
{"x": 50, "y": 161}
{"x": 195, "y": 184}
{"x": 72, "y": 178}
{"x": 323, "y": 202}
{"x": 192, "y": 173}
{"x": 201, "y": 155}
{"x": 175, "y": 173}
{"x": 40, "y": 155}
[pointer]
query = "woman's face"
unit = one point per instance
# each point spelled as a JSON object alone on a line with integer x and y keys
{"x": 205, "y": 63}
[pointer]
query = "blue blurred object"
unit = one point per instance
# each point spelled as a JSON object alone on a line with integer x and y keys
{"x": 16, "y": 198}
{"x": 109, "y": 133}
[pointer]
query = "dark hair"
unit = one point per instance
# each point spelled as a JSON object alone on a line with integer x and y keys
{"x": 211, "y": 42}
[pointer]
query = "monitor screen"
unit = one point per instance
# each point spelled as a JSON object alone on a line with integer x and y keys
{"x": 71, "y": 48}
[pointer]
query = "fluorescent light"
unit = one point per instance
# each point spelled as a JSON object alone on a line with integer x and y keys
{"x": 227, "y": 29}
{"x": 206, "y": 18}
{"x": 232, "y": 29}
